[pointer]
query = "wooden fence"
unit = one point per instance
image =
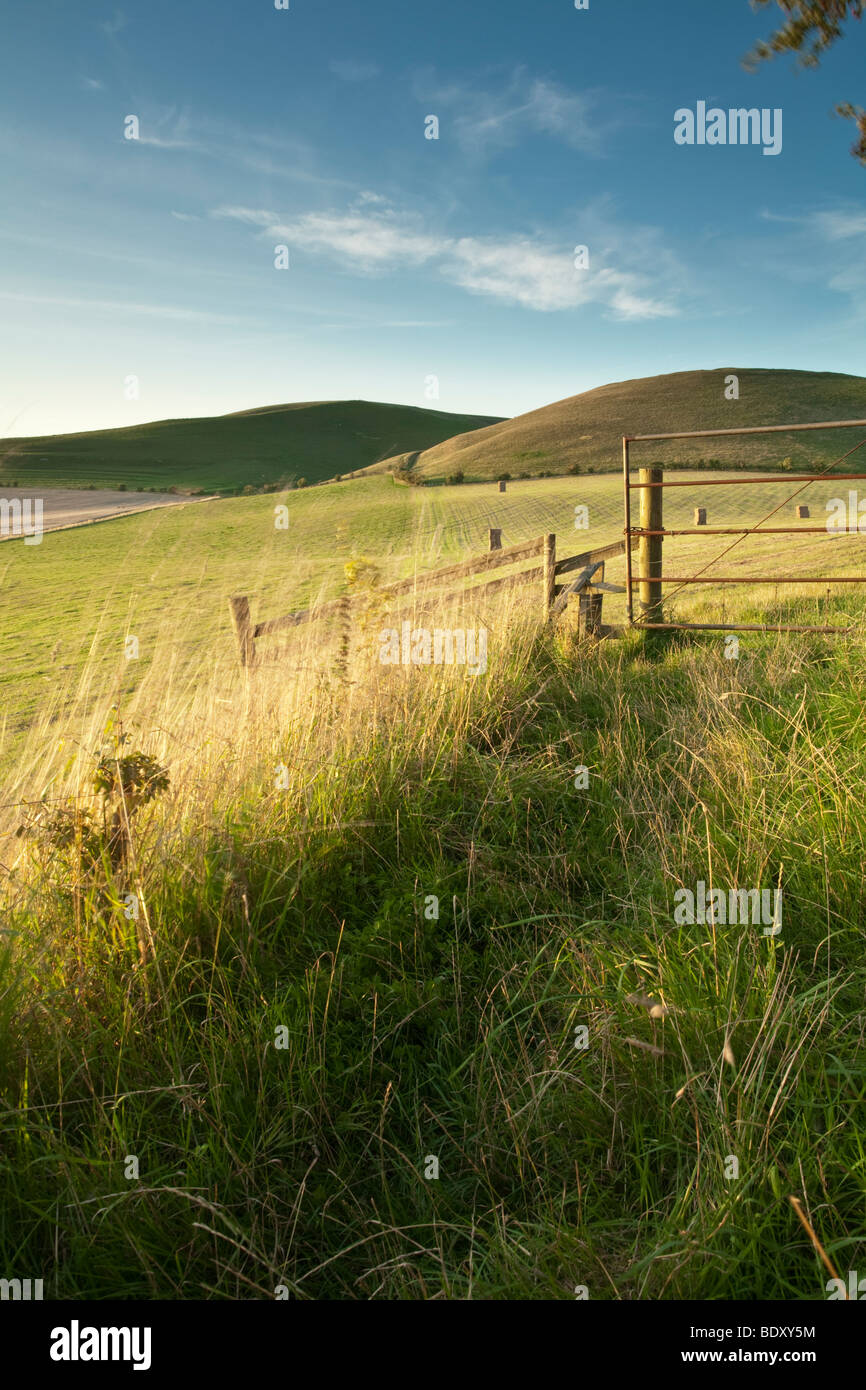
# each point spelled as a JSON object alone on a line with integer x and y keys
{"x": 588, "y": 587}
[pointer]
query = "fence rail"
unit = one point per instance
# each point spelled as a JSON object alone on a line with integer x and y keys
{"x": 555, "y": 596}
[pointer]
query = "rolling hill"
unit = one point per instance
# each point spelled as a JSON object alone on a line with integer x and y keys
{"x": 272, "y": 444}
{"x": 585, "y": 432}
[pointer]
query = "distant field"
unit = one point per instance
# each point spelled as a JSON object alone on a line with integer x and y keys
{"x": 165, "y": 576}
{"x": 586, "y": 430}
{"x": 74, "y": 507}
{"x": 274, "y": 444}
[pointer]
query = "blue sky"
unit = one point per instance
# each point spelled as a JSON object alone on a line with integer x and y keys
{"x": 410, "y": 258}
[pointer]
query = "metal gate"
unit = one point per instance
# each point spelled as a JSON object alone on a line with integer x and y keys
{"x": 651, "y": 533}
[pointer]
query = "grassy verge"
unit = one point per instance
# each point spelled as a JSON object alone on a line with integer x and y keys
{"x": 308, "y": 1035}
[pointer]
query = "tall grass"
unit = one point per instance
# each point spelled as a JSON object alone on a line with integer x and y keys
{"x": 303, "y": 914}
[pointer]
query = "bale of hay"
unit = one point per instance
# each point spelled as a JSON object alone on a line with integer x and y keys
{"x": 802, "y": 513}
{"x": 700, "y": 516}
{"x": 502, "y": 485}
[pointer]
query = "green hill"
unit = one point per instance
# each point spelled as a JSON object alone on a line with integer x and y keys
{"x": 273, "y": 444}
{"x": 585, "y": 432}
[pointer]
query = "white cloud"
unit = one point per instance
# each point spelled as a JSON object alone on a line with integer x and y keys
{"x": 114, "y": 26}
{"x": 834, "y": 224}
{"x": 839, "y": 225}
{"x": 168, "y": 130}
{"x": 372, "y": 241}
{"x": 91, "y": 84}
{"x": 522, "y": 271}
{"x": 160, "y": 144}
{"x": 544, "y": 278}
{"x": 521, "y": 106}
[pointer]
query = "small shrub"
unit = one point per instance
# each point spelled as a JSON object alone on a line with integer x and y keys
{"x": 98, "y": 848}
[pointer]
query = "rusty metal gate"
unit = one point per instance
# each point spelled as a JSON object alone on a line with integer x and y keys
{"x": 650, "y": 534}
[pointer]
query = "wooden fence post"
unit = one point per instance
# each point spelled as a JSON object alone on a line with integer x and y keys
{"x": 549, "y": 574}
{"x": 650, "y": 547}
{"x": 495, "y": 537}
{"x": 590, "y": 607}
{"x": 240, "y": 608}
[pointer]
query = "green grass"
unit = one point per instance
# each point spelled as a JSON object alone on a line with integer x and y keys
{"x": 166, "y": 576}
{"x": 454, "y": 1038}
{"x": 306, "y": 908}
{"x": 275, "y": 444}
{"x": 587, "y": 430}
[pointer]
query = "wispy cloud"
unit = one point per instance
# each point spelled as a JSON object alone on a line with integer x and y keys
{"x": 418, "y": 323}
{"x": 170, "y": 130}
{"x": 114, "y": 26}
{"x": 116, "y": 306}
{"x": 520, "y": 270}
{"x": 159, "y": 143}
{"x": 544, "y": 278}
{"x": 491, "y": 117}
{"x": 368, "y": 241}
{"x": 91, "y": 84}
{"x": 819, "y": 250}
{"x": 841, "y": 224}
{"x": 351, "y": 70}
{"x": 225, "y": 142}
{"x": 833, "y": 224}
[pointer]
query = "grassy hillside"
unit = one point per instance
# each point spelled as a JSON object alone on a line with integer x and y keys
{"x": 587, "y": 430}
{"x": 307, "y": 1032}
{"x": 274, "y": 444}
